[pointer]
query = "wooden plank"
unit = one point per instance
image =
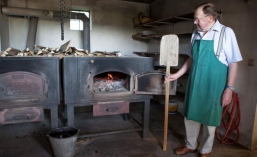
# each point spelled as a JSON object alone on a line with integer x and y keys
{"x": 65, "y": 46}
{"x": 12, "y": 51}
{"x": 169, "y": 50}
{"x": 254, "y": 136}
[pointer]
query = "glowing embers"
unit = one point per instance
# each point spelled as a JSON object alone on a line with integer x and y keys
{"x": 111, "y": 81}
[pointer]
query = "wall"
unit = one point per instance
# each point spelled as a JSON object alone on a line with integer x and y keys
{"x": 112, "y": 26}
{"x": 240, "y": 16}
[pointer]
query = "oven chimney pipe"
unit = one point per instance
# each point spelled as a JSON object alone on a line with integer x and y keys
{"x": 25, "y": 12}
{"x": 31, "y": 40}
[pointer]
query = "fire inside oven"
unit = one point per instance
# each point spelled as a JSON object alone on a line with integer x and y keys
{"x": 111, "y": 81}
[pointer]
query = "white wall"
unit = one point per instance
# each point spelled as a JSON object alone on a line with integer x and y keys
{"x": 240, "y": 16}
{"x": 112, "y": 26}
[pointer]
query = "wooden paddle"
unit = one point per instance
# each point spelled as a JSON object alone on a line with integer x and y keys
{"x": 168, "y": 57}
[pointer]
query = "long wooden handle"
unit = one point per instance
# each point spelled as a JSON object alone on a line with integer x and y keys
{"x": 166, "y": 114}
{"x": 169, "y": 57}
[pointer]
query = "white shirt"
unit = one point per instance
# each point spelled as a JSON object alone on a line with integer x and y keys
{"x": 230, "y": 52}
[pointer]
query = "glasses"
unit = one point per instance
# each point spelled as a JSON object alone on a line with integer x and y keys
{"x": 198, "y": 19}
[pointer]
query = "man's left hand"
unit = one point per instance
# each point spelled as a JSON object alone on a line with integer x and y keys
{"x": 226, "y": 97}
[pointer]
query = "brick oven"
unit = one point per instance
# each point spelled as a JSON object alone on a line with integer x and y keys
{"x": 110, "y": 84}
{"x": 28, "y": 85}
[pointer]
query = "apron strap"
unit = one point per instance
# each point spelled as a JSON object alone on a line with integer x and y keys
{"x": 220, "y": 41}
{"x": 194, "y": 37}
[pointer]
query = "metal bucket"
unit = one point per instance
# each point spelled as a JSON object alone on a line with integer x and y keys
{"x": 63, "y": 141}
{"x": 173, "y": 105}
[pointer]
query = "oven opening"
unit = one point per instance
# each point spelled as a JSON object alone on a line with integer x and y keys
{"x": 111, "y": 82}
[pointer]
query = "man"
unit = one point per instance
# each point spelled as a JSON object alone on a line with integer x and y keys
{"x": 212, "y": 61}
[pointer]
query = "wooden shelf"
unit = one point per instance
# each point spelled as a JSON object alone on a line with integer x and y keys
{"x": 157, "y": 37}
{"x": 167, "y": 21}
{"x": 147, "y": 54}
{"x": 158, "y": 23}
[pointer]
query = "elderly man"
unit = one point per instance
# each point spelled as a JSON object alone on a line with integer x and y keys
{"x": 212, "y": 61}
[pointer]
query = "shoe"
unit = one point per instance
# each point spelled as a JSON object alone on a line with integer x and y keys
{"x": 183, "y": 150}
{"x": 206, "y": 155}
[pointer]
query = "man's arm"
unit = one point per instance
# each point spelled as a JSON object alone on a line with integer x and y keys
{"x": 181, "y": 71}
{"x": 232, "y": 74}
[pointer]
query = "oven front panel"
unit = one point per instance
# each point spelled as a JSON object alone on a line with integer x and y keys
{"x": 29, "y": 81}
{"x": 80, "y": 75}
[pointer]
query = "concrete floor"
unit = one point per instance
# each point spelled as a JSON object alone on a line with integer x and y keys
{"x": 29, "y": 140}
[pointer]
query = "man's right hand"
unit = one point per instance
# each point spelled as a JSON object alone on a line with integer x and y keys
{"x": 171, "y": 77}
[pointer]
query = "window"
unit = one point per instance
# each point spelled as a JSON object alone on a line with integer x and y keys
{"x": 77, "y": 24}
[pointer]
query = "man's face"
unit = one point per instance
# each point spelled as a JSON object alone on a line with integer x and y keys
{"x": 202, "y": 21}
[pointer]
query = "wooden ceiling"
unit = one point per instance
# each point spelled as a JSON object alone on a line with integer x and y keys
{"x": 141, "y": 1}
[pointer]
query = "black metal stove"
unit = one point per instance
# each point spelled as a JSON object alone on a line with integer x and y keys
{"x": 109, "y": 84}
{"x": 27, "y": 86}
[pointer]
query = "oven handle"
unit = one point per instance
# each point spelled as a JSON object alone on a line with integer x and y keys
{"x": 112, "y": 109}
{"x": 21, "y": 117}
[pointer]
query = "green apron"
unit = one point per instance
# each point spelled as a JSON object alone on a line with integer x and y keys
{"x": 206, "y": 83}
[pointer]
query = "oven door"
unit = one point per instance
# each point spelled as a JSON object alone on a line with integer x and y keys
{"x": 153, "y": 83}
{"x": 22, "y": 86}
